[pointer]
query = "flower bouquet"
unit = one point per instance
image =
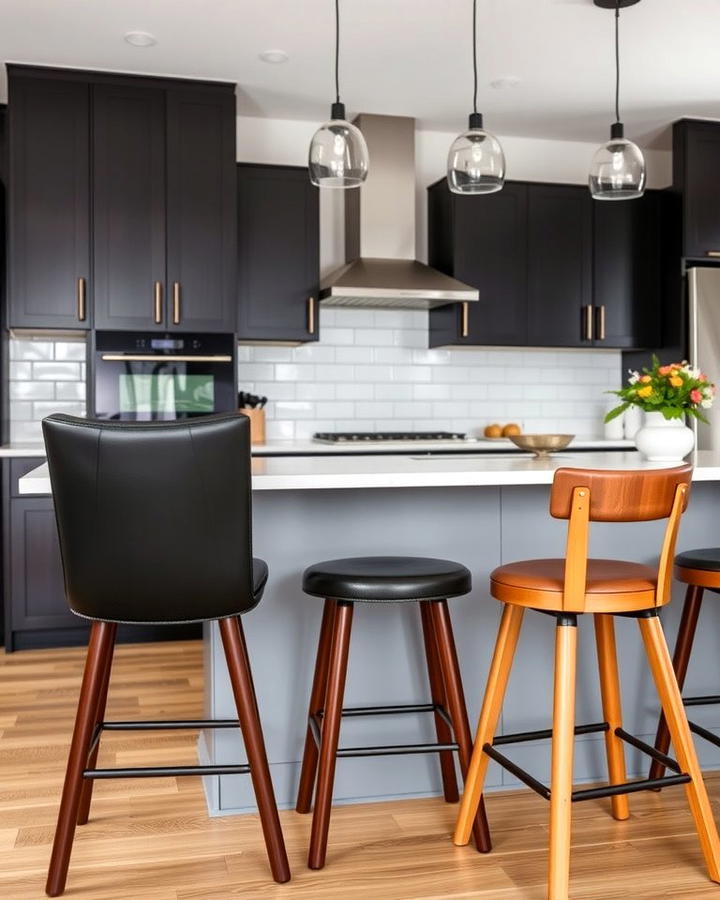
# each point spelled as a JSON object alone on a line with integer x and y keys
{"x": 674, "y": 390}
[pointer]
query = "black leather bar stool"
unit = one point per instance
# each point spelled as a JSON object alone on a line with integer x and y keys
{"x": 155, "y": 528}
{"x": 700, "y": 571}
{"x": 383, "y": 579}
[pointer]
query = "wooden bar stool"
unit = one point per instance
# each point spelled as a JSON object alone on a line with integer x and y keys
{"x": 566, "y": 588}
{"x": 385, "y": 579}
{"x": 700, "y": 571}
{"x": 155, "y": 528}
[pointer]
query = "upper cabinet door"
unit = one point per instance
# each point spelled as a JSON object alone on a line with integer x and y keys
{"x": 626, "y": 272}
{"x": 49, "y": 209}
{"x": 201, "y": 210}
{"x": 559, "y": 265}
{"x": 129, "y": 206}
{"x": 696, "y": 151}
{"x": 278, "y": 257}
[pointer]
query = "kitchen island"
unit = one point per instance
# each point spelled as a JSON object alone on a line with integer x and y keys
{"x": 481, "y": 511}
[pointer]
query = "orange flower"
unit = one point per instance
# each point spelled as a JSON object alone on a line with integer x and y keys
{"x": 645, "y": 391}
{"x": 676, "y": 381}
{"x": 645, "y": 378}
{"x": 665, "y": 370}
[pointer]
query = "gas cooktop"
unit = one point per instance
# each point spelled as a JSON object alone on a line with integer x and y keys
{"x": 350, "y": 437}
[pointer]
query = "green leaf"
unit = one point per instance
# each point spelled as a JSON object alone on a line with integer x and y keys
{"x": 618, "y": 411}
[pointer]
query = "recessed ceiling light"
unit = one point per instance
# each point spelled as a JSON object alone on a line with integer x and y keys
{"x": 274, "y": 56}
{"x": 140, "y": 38}
{"x": 505, "y": 81}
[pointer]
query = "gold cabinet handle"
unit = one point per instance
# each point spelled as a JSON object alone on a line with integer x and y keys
{"x": 81, "y": 299}
{"x": 311, "y": 315}
{"x": 464, "y": 319}
{"x": 157, "y": 294}
{"x": 588, "y": 323}
{"x": 600, "y": 312}
{"x": 176, "y": 302}
{"x": 714, "y": 254}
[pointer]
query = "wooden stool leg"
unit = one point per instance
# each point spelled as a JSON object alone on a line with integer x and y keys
{"x": 492, "y": 704}
{"x": 612, "y": 709}
{"x": 438, "y": 694}
{"x": 681, "y": 658}
{"x": 317, "y": 702}
{"x": 330, "y": 733}
{"x": 563, "y": 745}
{"x": 89, "y": 783}
{"x": 442, "y": 636}
{"x": 242, "y": 686}
{"x": 101, "y": 635}
{"x": 659, "y": 657}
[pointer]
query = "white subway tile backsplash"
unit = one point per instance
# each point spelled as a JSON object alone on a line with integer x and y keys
{"x": 354, "y": 355}
{"x": 357, "y": 390}
{"x": 292, "y": 372}
{"x": 70, "y": 350}
{"x": 70, "y": 390}
{"x": 314, "y": 390}
{"x": 56, "y": 371}
{"x": 26, "y": 432}
{"x": 19, "y": 371}
{"x": 32, "y": 390}
{"x": 42, "y": 408}
{"x": 31, "y": 349}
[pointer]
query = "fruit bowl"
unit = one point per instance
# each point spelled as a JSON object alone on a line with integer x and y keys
{"x": 541, "y": 444}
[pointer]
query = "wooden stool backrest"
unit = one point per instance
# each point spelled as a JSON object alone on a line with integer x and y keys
{"x": 602, "y": 495}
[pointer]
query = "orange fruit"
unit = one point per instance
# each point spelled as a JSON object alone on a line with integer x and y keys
{"x": 512, "y": 428}
{"x": 493, "y": 431}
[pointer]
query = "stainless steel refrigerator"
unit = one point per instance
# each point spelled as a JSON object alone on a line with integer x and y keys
{"x": 704, "y": 333}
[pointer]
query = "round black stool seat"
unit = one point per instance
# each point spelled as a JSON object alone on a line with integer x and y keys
{"x": 387, "y": 579}
{"x": 707, "y": 559}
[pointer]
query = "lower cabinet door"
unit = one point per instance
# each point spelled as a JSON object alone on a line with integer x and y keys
{"x": 36, "y": 576}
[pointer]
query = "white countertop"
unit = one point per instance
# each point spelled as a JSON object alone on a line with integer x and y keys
{"x": 26, "y": 450}
{"x": 339, "y": 473}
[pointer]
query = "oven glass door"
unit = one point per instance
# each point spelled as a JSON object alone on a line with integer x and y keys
{"x": 145, "y": 379}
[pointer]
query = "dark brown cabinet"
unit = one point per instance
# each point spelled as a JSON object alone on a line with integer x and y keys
{"x": 278, "y": 254}
{"x": 483, "y": 244}
{"x": 49, "y": 203}
{"x": 133, "y": 174}
{"x": 553, "y": 267}
{"x": 696, "y": 177}
{"x": 129, "y": 206}
{"x": 164, "y": 208}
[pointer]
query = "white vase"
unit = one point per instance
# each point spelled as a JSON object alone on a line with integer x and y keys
{"x": 664, "y": 440}
{"x": 632, "y": 422}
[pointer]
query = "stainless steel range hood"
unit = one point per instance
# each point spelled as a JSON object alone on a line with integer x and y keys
{"x": 381, "y": 269}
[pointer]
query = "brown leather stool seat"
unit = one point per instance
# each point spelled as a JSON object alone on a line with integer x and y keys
{"x": 612, "y": 585}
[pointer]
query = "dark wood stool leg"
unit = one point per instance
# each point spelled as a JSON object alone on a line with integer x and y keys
{"x": 439, "y": 698}
{"x": 681, "y": 658}
{"x": 330, "y": 733}
{"x": 317, "y": 702}
{"x": 442, "y": 636}
{"x": 88, "y": 783}
{"x": 101, "y": 636}
{"x": 241, "y": 680}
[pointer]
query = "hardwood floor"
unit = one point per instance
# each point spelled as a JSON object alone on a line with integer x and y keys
{"x": 152, "y": 839}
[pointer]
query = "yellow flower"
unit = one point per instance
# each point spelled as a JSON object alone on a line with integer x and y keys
{"x": 645, "y": 378}
{"x": 645, "y": 391}
{"x": 676, "y": 381}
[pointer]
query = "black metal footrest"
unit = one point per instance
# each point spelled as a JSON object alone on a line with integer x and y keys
{"x": 704, "y": 733}
{"x": 314, "y": 722}
{"x": 610, "y": 790}
{"x": 708, "y": 700}
{"x": 160, "y": 771}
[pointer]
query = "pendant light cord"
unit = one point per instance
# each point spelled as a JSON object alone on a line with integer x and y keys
{"x": 475, "y": 71}
{"x": 617, "y": 60}
{"x": 337, "y": 51}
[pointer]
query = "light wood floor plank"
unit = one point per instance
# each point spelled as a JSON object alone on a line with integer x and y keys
{"x": 152, "y": 839}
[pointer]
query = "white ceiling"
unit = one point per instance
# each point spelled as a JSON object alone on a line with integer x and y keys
{"x": 410, "y": 57}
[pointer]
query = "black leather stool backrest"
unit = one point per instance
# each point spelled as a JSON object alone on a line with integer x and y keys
{"x": 154, "y": 518}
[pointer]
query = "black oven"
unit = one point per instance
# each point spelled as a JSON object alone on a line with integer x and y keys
{"x": 143, "y": 376}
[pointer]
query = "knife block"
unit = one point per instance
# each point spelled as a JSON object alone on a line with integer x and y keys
{"x": 257, "y": 424}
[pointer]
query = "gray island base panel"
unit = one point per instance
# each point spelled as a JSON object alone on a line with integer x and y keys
{"x": 481, "y": 527}
{"x": 479, "y": 512}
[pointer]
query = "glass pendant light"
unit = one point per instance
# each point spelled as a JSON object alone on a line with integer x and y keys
{"x": 618, "y": 168}
{"x": 338, "y": 155}
{"x": 476, "y": 162}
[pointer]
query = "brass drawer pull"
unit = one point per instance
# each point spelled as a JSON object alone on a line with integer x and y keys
{"x": 81, "y": 299}
{"x": 311, "y": 315}
{"x": 176, "y": 302}
{"x": 714, "y": 254}
{"x": 588, "y": 336}
{"x": 465, "y": 319}
{"x": 600, "y": 311}
{"x": 158, "y": 292}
